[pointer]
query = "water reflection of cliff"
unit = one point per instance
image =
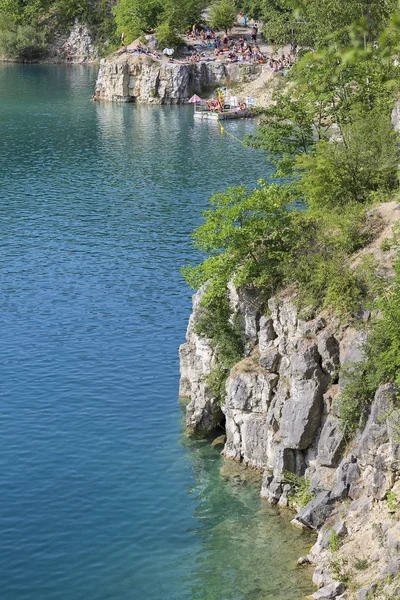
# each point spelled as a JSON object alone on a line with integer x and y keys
{"x": 248, "y": 549}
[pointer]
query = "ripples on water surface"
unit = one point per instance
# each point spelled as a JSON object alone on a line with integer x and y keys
{"x": 102, "y": 496}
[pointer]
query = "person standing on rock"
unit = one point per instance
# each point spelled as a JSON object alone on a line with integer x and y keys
{"x": 254, "y": 32}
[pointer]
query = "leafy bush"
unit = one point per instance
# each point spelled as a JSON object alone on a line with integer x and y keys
{"x": 300, "y": 492}
{"x": 247, "y": 235}
{"x": 339, "y": 570}
{"x": 349, "y": 167}
{"x": 334, "y": 541}
{"x": 216, "y": 323}
{"x": 223, "y": 14}
{"x": 319, "y": 263}
{"x": 392, "y": 500}
{"x": 167, "y": 17}
{"x": 68, "y": 10}
{"x": 361, "y": 564}
{"x": 216, "y": 380}
{"x": 167, "y": 37}
{"x": 24, "y": 42}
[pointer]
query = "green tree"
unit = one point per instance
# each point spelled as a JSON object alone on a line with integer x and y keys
{"x": 184, "y": 13}
{"x": 167, "y": 37}
{"x": 347, "y": 168}
{"x": 223, "y": 14}
{"x": 134, "y": 17}
{"x": 286, "y": 130}
{"x": 316, "y": 23}
{"x": 25, "y": 42}
{"x": 246, "y": 234}
{"x": 329, "y": 90}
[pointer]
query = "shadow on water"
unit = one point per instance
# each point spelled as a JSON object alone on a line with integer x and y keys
{"x": 249, "y": 549}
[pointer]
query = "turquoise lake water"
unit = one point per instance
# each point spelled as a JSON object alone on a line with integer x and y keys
{"x": 103, "y": 496}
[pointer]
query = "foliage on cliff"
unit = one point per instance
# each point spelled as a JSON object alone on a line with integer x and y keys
{"x": 330, "y": 134}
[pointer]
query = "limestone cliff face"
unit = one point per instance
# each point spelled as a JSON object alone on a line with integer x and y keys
{"x": 82, "y": 45}
{"x": 197, "y": 359}
{"x": 281, "y": 414}
{"x": 141, "y": 78}
{"x": 279, "y": 409}
{"x": 79, "y": 42}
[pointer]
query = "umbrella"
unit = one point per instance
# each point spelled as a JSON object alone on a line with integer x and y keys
{"x": 195, "y": 98}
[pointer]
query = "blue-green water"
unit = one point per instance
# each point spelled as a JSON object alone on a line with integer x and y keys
{"x": 102, "y": 495}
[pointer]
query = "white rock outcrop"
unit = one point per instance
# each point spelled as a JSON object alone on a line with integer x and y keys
{"x": 145, "y": 79}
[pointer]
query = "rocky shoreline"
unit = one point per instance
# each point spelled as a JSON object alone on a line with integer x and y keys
{"x": 281, "y": 414}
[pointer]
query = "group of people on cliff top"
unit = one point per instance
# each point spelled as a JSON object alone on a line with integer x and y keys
{"x": 216, "y": 46}
{"x": 139, "y": 49}
{"x": 242, "y": 50}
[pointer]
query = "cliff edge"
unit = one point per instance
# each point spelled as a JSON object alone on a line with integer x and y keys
{"x": 281, "y": 414}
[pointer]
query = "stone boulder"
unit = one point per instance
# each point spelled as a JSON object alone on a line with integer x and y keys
{"x": 329, "y": 350}
{"x": 329, "y": 592}
{"x": 316, "y": 512}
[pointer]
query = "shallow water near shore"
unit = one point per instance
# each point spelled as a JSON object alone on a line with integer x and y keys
{"x": 103, "y": 496}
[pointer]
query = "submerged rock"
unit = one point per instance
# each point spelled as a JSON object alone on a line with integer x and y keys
{"x": 219, "y": 441}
